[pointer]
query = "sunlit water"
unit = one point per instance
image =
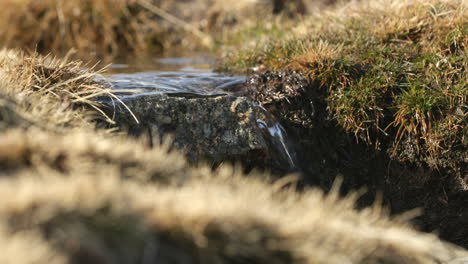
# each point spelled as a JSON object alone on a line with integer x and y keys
{"x": 191, "y": 75}
{"x": 203, "y": 83}
{"x": 172, "y": 75}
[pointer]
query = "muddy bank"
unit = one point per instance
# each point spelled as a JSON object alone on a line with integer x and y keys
{"x": 327, "y": 151}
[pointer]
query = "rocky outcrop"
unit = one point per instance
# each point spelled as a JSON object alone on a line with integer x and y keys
{"x": 214, "y": 128}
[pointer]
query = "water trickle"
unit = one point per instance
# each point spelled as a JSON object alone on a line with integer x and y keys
{"x": 279, "y": 140}
{"x": 278, "y": 133}
{"x": 205, "y": 83}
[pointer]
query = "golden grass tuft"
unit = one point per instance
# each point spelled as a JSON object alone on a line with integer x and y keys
{"x": 318, "y": 54}
{"x": 48, "y": 92}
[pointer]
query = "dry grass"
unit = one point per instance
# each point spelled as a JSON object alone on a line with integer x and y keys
{"x": 98, "y": 28}
{"x": 101, "y": 26}
{"x": 47, "y": 92}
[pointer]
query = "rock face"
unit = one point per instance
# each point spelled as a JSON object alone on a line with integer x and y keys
{"x": 214, "y": 128}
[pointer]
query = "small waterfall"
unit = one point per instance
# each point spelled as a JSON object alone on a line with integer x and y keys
{"x": 277, "y": 136}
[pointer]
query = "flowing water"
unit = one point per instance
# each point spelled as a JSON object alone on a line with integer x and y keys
{"x": 194, "y": 76}
{"x": 203, "y": 83}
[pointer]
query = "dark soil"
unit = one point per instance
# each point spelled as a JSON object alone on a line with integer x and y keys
{"x": 326, "y": 152}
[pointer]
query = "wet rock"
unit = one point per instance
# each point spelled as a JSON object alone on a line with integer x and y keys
{"x": 213, "y": 128}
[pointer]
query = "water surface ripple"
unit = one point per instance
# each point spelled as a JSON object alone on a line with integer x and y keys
{"x": 203, "y": 83}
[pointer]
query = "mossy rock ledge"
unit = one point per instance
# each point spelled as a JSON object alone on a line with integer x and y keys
{"x": 206, "y": 128}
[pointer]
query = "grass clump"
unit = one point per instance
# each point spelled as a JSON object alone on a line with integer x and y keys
{"x": 392, "y": 71}
{"x": 47, "y": 92}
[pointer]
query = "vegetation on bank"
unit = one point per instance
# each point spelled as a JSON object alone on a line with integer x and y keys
{"x": 86, "y": 195}
{"x": 394, "y": 72}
